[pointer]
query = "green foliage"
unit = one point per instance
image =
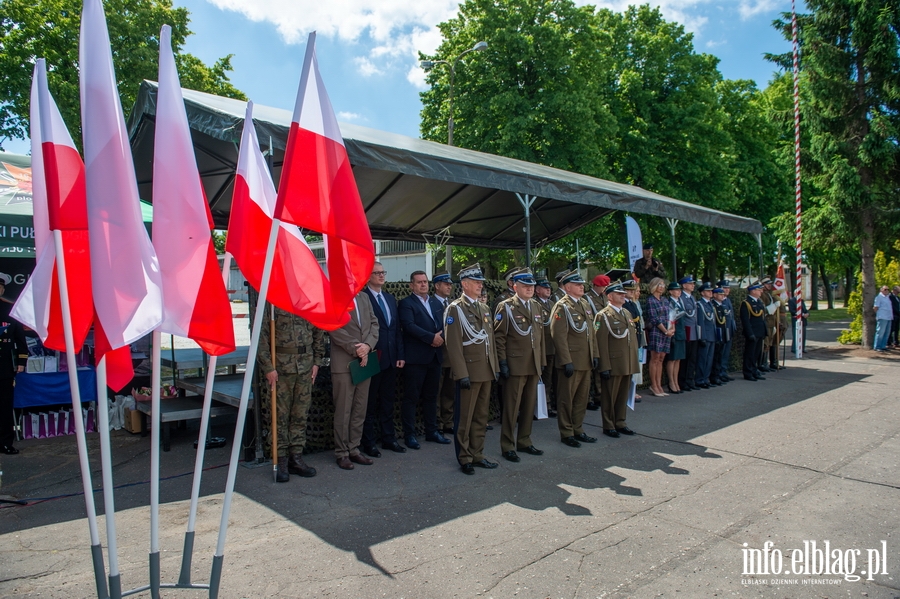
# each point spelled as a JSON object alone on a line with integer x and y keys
{"x": 219, "y": 241}
{"x": 887, "y": 272}
{"x": 49, "y": 29}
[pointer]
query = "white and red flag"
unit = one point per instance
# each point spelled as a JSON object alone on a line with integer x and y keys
{"x": 297, "y": 283}
{"x": 195, "y": 302}
{"x": 780, "y": 286}
{"x": 59, "y": 204}
{"x": 126, "y": 280}
{"x": 318, "y": 192}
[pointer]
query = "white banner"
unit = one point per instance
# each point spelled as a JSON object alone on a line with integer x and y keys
{"x": 635, "y": 244}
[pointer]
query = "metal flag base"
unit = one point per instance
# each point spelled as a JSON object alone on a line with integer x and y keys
{"x": 154, "y": 575}
{"x": 99, "y": 571}
{"x": 185, "y": 577}
{"x": 115, "y": 586}
{"x": 215, "y": 576}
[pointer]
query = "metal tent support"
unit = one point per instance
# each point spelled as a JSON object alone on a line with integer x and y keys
{"x": 673, "y": 222}
{"x": 759, "y": 241}
{"x": 527, "y": 202}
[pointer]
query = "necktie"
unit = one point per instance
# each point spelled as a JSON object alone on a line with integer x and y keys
{"x": 381, "y": 304}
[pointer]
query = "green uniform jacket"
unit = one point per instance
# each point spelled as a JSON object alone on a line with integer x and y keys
{"x": 296, "y": 341}
{"x": 616, "y": 342}
{"x": 471, "y": 347}
{"x": 576, "y": 346}
{"x": 546, "y": 311}
{"x": 524, "y": 354}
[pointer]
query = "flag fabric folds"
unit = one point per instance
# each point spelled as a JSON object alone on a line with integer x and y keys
{"x": 126, "y": 281}
{"x": 779, "y": 284}
{"x": 297, "y": 283}
{"x": 195, "y": 302}
{"x": 59, "y": 204}
{"x": 318, "y": 192}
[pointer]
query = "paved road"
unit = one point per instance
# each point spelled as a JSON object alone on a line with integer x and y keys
{"x": 811, "y": 454}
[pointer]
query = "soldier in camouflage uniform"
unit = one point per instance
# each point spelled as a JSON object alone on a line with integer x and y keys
{"x": 299, "y": 350}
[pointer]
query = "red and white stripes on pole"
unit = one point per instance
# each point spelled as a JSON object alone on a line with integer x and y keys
{"x": 798, "y": 231}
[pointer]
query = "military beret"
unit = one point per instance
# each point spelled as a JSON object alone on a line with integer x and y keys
{"x": 601, "y": 281}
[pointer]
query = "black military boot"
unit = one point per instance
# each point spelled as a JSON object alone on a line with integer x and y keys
{"x": 296, "y": 465}
{"x": 281, "y": 474}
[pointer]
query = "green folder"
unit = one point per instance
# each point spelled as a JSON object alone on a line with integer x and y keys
{"x": 360, "y": 373}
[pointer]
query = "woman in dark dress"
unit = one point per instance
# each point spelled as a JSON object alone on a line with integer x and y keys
{"x": 659, "y": 333}
{"x": 677, "y": 350}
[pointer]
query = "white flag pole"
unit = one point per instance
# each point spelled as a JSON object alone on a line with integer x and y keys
{"x": 184, "y": 579}
{"x": 216, "y": 573}
{"x": 96, "y": 549}
{"x": 109, "y": 504}
{"x": 154, "y": 467}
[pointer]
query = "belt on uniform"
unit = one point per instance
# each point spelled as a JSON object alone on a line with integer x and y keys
{"x": 300, "y": 349}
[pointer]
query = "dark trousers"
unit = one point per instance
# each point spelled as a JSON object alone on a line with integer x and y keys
{"x": 705, "y": 354}
{"x": 420, "y": 386}
{"x": 550, "y": 381}
{"x": 7, "y": 418}
{"x": 379, "y": 425}
{"x": 892, "y": 336}
{"x": 752, "y": 350}
{"x": 687, "y": 374}
{"x": 724, "y": 359}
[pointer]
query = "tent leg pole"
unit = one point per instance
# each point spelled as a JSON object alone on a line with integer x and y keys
{"x": 527, "y": 202}
{"x": 673, "y": 222}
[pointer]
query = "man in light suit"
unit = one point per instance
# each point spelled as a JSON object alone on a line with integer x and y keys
{"x": 421, "y": 318}
{"x": 443, "y": 287}
{"x": 354, "y": 341}
{"x": 617, "y": 345}
{"x": 379, "y": 424}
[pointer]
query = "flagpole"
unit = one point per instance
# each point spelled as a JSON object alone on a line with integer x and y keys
{"x": 184, "y": 579}
{"x": 798, "y": 229}
{"x": 218, "y": 557}
{"x": 109, "y": 506}
{"x": 154, "y": 466}
{"x": 90, "y": 508}
{"x": 274, "y": 432}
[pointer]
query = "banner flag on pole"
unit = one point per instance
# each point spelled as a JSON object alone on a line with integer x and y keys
{"x": 195, "y": 302}
{"x": 635, "y": 242}
{"x": 59, "y": 204}
{"x": 297, "y": 283}
{"x": 779, "y": 284}
{"x": 126, "y": 280}
{"x": 318, "y": 191}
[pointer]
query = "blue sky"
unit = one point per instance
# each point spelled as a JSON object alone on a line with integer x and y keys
{"x": 367, "y": 48}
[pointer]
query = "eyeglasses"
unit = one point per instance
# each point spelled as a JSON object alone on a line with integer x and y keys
{"x": 379, "y": 273}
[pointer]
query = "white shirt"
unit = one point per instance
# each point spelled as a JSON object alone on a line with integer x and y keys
{"x": 387, "y": 312}
{"x": 883, "y": 303}
{"x": 425, "y": 303}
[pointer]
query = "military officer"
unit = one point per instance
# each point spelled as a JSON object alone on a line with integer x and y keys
{"x": 560, "y": 292}
{"x": 596, "y": 299}
{"x": 470, "y": 346}
{"x": 543, "y": 292}
{"x": 688, "y": 372}
{"x": 509, "y": 291}
{"x": 775, "y": 327}
{"x": 443, "y": 287}
{"x": 648, "y": 268}
{"x": 571, "y": 328}
{"x": 706, "y": 344}
{"x": 753, "y": 323}
{"x": 617, "y": 346}
{"x": 731, "y": 327}
{"x": 519, "y": 335}
{"x": 723, "y": 337}
{"x": 299, "y": 351}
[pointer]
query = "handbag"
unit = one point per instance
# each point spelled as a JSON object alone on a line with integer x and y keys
{"x": 540, "y": 407}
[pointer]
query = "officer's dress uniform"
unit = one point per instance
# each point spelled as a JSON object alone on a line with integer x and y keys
{"x": 298, "y": 347}
{"x": 753, "y": 323}
{"x": 706, "y": 344}
{"x": 549, "y": 354}
{"x": 469, "y": 336}
{"x": 13, "y": 353}
{"x": 519, "y": 336}
{"x": 597, "y": 301}
{"x": 571, "y": 328}
{"x": 731, "y": 327}
{"x": 723, "y": 338}
{"x": 687, "y": 374}
{"x": 617, "y": 345}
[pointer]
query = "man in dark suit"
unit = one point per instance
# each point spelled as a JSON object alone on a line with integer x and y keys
{"x": 753, "y": 323}
{"x": 380, "y": 411}
{"x": 421, "y": 319}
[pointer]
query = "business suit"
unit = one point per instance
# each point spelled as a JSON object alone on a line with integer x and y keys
{"x": 753, "y": 323}
{"x": 379, "y": 424}
{"x": 447, "y": 392}
{"x": 350, "y": 400}
{"x": 519, "y": 336}
{"x": 472, "y": 355}
{"x": 706, "y": 319}
{"x": 422, "y": 371}
{"x": 617, "y": 346}
{"x": 578, "y": 347}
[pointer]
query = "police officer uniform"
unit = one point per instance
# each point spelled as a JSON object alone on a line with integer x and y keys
{"x": 753, "y": 323}
{"x": 617, "y": 345}
{"x": 571, "y": 328}
{"x": 519, "y": 336}
{"x": 688, "y": 372}
{"x": 731, "y": 328}
{"x": 298, "y": 347}
{"x": 723, "y": 336}
{"x": 469, "y": 335}
{"x": 706, "y": 344}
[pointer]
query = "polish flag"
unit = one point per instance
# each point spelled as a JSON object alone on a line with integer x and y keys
{"x": 59, "y": 204}
{"x": 126, "y": 281}
{"x": 195, "y": 303}
{"x": 297, "y": 283}
{"x": 780, "y": 288}
{"x": 318, "y": 192}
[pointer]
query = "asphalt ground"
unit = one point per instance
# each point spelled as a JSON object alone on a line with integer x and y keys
{"x": 812, "y": 454}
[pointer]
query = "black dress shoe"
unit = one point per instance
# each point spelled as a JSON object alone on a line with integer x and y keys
{"x": 372, "y": 452}
{"x": 447, "y": 431}
{"x": 486, "y": 464}
{"x": 571, "y": 442}
{"x": 593, "y": 406}
{"x": 531, "y": 449}
{"x": 512, "y": 456}
{"x": 625, "y": 431}
{"x": 611, "y": 433}
{"x": 714, "y": 384}
{"x": 751, "y": 378}
{"x": 551, "y": 413}
{"x": 437, "y": 437}
{"x": 467, "y": 469}
{"x": 764, "y": 369}
{"x": 759, "y": 377}
{"x": 394, "y": 446}
{"x": 703, "y": 385}
{"x": 728, "y": 378}
{"x": 583, "y": 437}
{"x": 412, "y": 442}
{"x": 489, "y": 427}
{"x": 9, "y": 450}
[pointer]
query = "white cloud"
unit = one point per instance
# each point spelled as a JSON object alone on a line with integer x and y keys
{"x": 349, "y": 116}
{"x": 715, "y": 43}
{"x": 366, "y": 67}
{"x": 750, "y": 8}
{"x": 685, "y": 12}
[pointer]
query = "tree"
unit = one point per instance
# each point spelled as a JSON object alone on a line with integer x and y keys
{"x": 31, "y": 29}
{"x": 851, "y": 65}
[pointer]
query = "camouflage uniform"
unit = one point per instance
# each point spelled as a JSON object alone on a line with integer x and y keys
{"x": 298, "y": 347}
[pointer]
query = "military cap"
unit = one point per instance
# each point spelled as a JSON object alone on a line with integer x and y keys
{"x": 559, "y": 275}
{"x": 648, "y": 246}
{"x": 512, "y": 272}
{"x": 616, "y": 288}
{"x": 706, "y": 287}
{"x": 601, "y": 281}
{"x": 443, "y": 277}
{"x": 719, "y": 290}
{"x": 754, "y": 287}
{"x": 471, "y": 272}
{"x": 543, "y": 282}
{"x": 570, "y": 276}
{"x": 524, "y": 276}
{"x": 674, "y": 285}
{"x": 724, "y": 283}
{"x": 686, "y": 280}
{"x": 629, "y": 285}
{"x": 5, "y": 278}
{"x": 765, "y": 281}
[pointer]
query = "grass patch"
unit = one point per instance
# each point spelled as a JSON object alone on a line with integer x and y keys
{"x": 828, "y": 315}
